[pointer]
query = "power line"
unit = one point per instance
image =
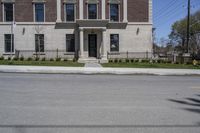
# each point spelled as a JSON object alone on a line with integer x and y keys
{"x": 170, "y": 18}
{"x": 167, "y": 9}
{"x": 168, "y": 14}
{"x": 164, "y": 8}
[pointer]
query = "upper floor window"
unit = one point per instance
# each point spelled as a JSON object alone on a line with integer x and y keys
{"x": 92, "y": 11}
{"x": 8, "y": 12}
{"x": 39, "y": 12}
{"x": 114, "y": 12}
{"x": 70, "y": 12}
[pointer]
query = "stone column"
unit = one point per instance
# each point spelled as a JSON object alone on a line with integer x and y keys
{"x": 81, "y": 43}
{"x": 58, "y": 11}
{"x": 103, "y": 9}
{"x": 80, "y": 9}
{"x": 104, "y": 49}
{"x": 125, "y": 10}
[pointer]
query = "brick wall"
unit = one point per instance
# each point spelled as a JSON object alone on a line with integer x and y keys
{"x": 23, "y": 11}
{"x": 51, "y": 11}
{"x": 138, "y": 10}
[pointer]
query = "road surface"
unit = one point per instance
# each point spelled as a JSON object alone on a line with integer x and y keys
{"x": 39, "y": 103}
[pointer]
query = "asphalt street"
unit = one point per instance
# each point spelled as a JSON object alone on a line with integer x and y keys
{"x": 53, "y": 103}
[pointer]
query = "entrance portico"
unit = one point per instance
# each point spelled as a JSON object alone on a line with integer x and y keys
{"x": 93, "y": 44}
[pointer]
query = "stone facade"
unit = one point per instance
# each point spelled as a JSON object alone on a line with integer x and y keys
{"x": 135, "y": 35}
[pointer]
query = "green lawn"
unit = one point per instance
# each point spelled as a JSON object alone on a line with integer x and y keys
{"x": 149, "y": 65}
{"x": 42, "y": 63}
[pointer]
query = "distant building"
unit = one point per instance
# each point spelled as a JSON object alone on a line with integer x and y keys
{"x": 88, "y": 28}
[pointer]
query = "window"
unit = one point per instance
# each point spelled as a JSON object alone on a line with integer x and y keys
{"x": 39, "y": 12}
{"x": 114, "y": 42}
{"x": 8, "y": 41}
{"x": 92, "y": 11}
{"x": 70, "y": 14}
{"x": 39, "y": 42}
{"x": 70, "y": 43}
{"x": 114, "y": 12}
{"x": 8, "y": 12}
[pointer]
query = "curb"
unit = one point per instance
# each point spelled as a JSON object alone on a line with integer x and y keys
{"x": 91, "y": 70}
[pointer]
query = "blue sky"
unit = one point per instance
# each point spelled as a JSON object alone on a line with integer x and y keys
{"x": 166, "y": 12}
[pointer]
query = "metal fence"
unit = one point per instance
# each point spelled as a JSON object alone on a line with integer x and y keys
{"x": 129, "y": 55}
{"x": 172, "y": 57}
{"x": 46, "y": 54}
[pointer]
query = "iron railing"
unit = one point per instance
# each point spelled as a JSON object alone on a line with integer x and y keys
{"x": 129, "y": 55}
{"x": 46, "y": 54}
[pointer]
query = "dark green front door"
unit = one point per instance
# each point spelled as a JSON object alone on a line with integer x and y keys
{"x": 92, "y": 42}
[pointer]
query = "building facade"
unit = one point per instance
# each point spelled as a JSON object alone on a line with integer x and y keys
{"x": 90, "y": 29}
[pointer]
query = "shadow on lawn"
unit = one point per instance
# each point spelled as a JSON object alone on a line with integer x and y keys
{"x": 193, "y": 104}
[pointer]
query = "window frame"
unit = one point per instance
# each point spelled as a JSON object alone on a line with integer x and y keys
{"x": 3, "y": 12}
{"x": 119, "y": 10}
{"x": 97, "y": 10}
{"x": 67, "y": 48}
{"x": 117, "y": 49}
{"x": 65, "y": 12}
{"x": 5, "y": 44}
{"x": 37, "y": 47}
{"x": 34, "y": 11}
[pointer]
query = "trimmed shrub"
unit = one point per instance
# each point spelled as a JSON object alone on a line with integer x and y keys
{"x": 9, "y": 58}
{"x": 153, "y": 61}
{"x": 120, "y": 61}
{"x": 37, "y": 59}
{"x": 145, "y": 60}
{"x": 136, "y": 60}
{"x": 29, "y": 59}
{"x": 43, "y": 59}
{"x": 21, "y": 58}
{"x": 110, "y": 61}
{"x": 74, "y": 59}
{"x": 169, "y": 62}
{"x": 65, "y": 59}
{"x": 160, "y": 61}
{"x": 116, "y": 61}
{"x": 1, "y": 58}
{"x": 177, "y": 62}
{"x": 127, "y": 60}
{"x": 51, "y": 59}
{"x": 58, "y": 59}
{"x": 131, "y": 60}
{"x": 15, "y": 58}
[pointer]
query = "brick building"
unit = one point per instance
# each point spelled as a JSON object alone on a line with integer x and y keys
{"x": 90, "y": 29}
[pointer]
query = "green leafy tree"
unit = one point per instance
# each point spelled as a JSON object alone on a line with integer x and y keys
{"x": 178, "y": 35}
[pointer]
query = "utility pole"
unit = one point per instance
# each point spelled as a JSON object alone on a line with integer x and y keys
{"x": 188, "y": 27}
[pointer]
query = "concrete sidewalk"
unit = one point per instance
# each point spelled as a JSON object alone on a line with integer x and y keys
{"x": 91, "y": 70}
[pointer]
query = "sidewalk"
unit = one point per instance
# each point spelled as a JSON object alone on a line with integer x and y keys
{"x": 96, "y": 70}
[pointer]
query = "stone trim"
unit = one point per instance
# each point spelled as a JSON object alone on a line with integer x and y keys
{"x": 38, "y": 1}
{"x": 92, "y": 1}
{"x": 7, "y": 1}
{"x": 70, "y": 1}
{"x": 150, "y": 11}
{"x": 114, "y": 1}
